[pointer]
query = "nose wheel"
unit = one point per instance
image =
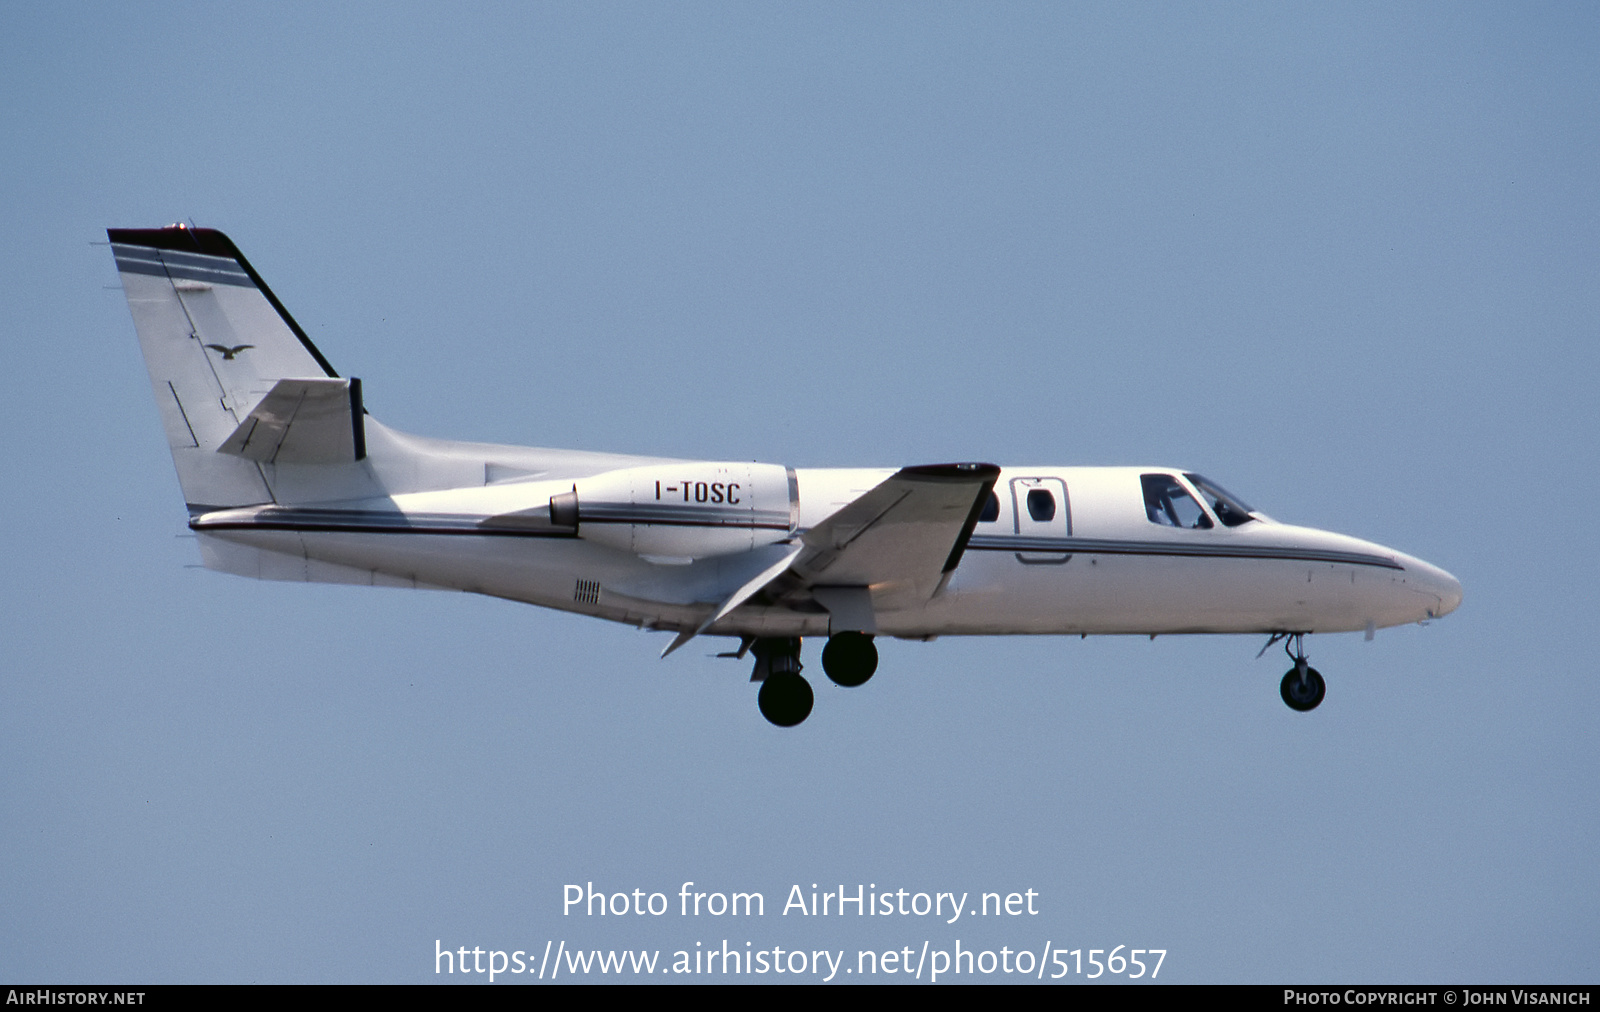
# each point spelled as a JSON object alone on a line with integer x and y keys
{"x": 1302, "y": 687}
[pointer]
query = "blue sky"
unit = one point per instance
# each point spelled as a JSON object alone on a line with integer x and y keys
{"x": 1343, "y": 260}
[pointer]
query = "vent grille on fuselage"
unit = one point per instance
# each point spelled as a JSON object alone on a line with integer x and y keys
{"x": 587, "y": 592}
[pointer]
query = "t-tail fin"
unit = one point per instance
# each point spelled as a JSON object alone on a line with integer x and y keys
{"x": 240, "y": 387}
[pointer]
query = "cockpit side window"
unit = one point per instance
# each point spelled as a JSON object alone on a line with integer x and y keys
{"x": 1168, "y": 503}
{"x": 1229, "y": 508}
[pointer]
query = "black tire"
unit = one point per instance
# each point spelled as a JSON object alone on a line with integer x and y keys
{"x": 850, "y": 658}
{"x": 785, "y": 698}
{"x": 1303, "y": 696}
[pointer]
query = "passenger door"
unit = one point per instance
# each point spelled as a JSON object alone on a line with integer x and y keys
{"x": 1043, "y": 517}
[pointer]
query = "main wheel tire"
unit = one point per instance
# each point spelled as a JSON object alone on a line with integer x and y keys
{"x": 1304, "y": 694}
{"x": 785, "y": 698}
{"x": 850, "y": 658}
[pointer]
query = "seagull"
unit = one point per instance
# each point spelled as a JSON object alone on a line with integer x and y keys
{"x": 228, "y": 353}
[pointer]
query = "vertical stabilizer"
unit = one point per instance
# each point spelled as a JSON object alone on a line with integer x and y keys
{"x": 236, "y": 380}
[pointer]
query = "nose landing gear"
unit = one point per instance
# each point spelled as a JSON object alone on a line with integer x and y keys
{"x": 1302, "y": 687}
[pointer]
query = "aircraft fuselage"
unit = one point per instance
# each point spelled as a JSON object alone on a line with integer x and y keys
{"x": 1098, "y": 566}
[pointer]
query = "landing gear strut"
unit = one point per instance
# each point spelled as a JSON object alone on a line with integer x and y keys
{"x": 850, "y": 658}
{"x": 1302, "y": 687}
{"x": 785, "y": 697}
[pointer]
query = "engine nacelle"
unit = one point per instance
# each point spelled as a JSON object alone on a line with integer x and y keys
{"x": 691, "y": 510}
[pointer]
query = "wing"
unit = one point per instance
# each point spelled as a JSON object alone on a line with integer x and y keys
{"x": 894, "y": 547}
{"x": 903, "y": 538}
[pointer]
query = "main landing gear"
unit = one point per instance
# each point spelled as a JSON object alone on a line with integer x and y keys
{"x": 849, "y": 658}
{"x": 1302, "y": 687}
{"x": 786, "y": 698}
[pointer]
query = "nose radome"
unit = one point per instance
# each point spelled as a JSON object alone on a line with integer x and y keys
{"x": 1441, "y": 585}
{"x": 1450, "y": 597}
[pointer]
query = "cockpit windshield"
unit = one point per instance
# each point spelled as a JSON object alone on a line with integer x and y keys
{"x": 1168, "y": 503}
{"x": 1228, "y": 507}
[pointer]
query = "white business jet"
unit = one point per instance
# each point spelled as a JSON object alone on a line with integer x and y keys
{"x": 288, "y": 478}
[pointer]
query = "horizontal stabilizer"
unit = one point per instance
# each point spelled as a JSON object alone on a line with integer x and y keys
{"x": 303, "y": 421}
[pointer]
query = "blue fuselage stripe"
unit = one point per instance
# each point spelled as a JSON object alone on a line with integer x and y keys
{"x": 1103, "y": 546}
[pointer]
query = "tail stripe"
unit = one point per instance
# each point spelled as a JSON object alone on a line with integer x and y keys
{"x": 188, "y": 266}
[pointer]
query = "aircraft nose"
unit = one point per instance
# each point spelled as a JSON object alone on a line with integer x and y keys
{"x": 1441, "y": 585}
